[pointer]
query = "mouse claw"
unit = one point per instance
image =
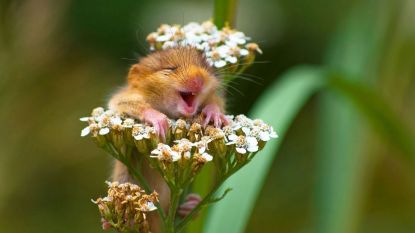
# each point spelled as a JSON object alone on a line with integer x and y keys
{"x": 158, "y": 120}
{"x": 213, "y": 114}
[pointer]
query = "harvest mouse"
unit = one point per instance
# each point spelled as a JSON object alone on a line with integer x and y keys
{"x": 172, "y": 83}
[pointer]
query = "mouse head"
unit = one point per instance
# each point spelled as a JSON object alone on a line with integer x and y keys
{"x": 175, "y": 81}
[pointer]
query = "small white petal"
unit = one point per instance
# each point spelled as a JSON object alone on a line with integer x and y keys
{"x": 264, "y": 136}
{"x": 186, "y": 155}
{"x": 175, "y": 156}
{"x": 84, "y": 118}
{"x": 163, "y": 38}
{"x": 151, "y": 206}
{"x": 207, "y": 156}
{"x": 156, "y": 152}
{"x": 220, "y": 63}
{"x": 116, "y": 121}
{"x": 202, "y": 149}
{"x": 85, "y": 131}
{"x": 233, "y": 137}
{"x": 231, "y": 59}
{"x": 241, "y": 150}
{"x": 243, "y": 52}
{"x": 251, "y": 141}
{"x": 246, "y": 130}
{"x": 104, "y": 131}
{"x": 252, "y": 148}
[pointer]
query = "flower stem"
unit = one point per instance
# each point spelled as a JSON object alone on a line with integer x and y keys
{"x": 205, "y": 201}
{"x": 174, "y": 203}
{"x": 225, "y": 13}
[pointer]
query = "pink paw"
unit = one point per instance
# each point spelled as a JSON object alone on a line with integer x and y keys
{"x": 192, "y": 200}
{"x": 213, "y": 114}
{"x": 158, "y": 120}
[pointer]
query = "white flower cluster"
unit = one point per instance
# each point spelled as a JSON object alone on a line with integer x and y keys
{"x": 242, "y": 133}
{"x": 181, "y": 150}
{"x": 221, "y": 47}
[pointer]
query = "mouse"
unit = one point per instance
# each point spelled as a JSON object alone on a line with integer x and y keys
{"x": 173, "y": 83}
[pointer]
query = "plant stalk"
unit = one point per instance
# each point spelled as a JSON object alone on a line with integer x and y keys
{"x": 225, "y": 13}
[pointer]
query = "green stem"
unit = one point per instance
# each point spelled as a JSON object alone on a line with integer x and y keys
{"x": 205, "y": 201}
{"x": 174, "y": 203}
{"x": 225, "y": 13}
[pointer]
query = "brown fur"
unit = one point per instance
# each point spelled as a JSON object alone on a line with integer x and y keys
{"x": 154, "y": 83}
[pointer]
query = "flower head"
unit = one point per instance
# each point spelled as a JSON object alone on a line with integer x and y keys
{"x": 164, "y": 152}
{"x": 184, "y": 147}
{"x": 221, "y": 47}
{"x": 125, "y": 206}
{"x": 141, "y": 132}
{"x": 244, "y": 144}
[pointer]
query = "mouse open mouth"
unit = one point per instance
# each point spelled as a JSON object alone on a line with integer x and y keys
{"x": 188, "y": 97}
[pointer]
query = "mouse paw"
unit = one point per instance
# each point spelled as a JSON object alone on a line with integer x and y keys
{"x": 192, "y": 200}
{"x": 213, "y": 114}
{"x": 158, "y": 120}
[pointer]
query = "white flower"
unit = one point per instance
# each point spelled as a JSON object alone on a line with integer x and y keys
{"x": 104, "y": 123}
{"x": 181, "y": 124}
{"x": 203, "y": 144}
{"x": 184, "y": 147}
{"x": 230, "y": 45}
{"x": 128, "y": 123}
{"x": 241, "y": 121}
{"x": 96, "y": 112}
{"x": 266, "y": 132}
{"x": 116, "y": 122}
{"x": 140, "y": 132}
{"x": 92, "y": 128}
{"x": 238, "y": 38}
{"x": 165, "y": 153}
{"x": 244, "y": 144}
{"x": 229, "y": 133}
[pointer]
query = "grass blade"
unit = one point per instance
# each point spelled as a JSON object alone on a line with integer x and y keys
{"x": 278, "y": 106}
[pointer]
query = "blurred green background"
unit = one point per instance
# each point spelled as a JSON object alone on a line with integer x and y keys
{"x": 60, "y": 59}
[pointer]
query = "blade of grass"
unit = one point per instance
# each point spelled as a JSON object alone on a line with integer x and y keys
{"x": 278, "y": 106}
{"x": 343, "y": 162}
{"x": 380, "y": 114}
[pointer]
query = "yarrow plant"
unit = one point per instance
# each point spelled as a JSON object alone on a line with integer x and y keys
{"x": 225, "y": 49}
{"x": 125, "y": 207}
{"x": 188, "y": 147}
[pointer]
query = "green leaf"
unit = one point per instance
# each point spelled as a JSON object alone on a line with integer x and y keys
{"x": 343, "y": 157}
{"x": 378, "y": 113}
{"x": 278, "y": 106}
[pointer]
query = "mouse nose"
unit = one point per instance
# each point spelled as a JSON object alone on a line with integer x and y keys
{"x": 195, "y": 84}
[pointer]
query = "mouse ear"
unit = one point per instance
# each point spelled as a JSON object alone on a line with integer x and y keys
{"x": 135, "y": 72}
